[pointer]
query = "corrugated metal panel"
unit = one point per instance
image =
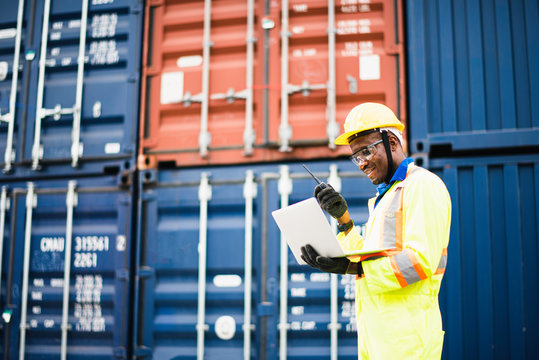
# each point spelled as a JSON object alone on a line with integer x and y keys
{"x": 180, "y": 290}
{"x": 40, "y": 219}
{"x": 490, "y": 292}
{"x": 13, "y": 38}
{"x": 79, "y": 117}
{"x": 473, "y": 74}
{"x": 211, "y": 98}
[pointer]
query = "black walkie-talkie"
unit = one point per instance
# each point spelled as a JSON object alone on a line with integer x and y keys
{"x": 323, "y": 185}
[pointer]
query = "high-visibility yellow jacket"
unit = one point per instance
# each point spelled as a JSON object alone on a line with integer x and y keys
{"x": 398, "y": 316}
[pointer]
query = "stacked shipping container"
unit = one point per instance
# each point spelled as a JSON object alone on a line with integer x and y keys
{"x": 69, "y": 90}
{"x": 474, "y": 119}
{"x": 220, "y": 88}
{"x": 182, "y": 259}
{"x": 62, "y": 116}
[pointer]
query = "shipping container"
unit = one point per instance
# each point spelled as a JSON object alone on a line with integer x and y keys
{"x": 216, "y": 281}
{"x": 490, "y": 291}
{"x": 65, "y": 262}
{"x": 70, "y": 117}
{"x": 473, "y": 79}
{"x": 230, "y": 81}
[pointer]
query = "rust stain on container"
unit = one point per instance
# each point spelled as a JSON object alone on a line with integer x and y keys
{"x": 229, "y": 81}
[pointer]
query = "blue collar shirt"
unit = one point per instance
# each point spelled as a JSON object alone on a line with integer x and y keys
{"x": 399, "y": 175}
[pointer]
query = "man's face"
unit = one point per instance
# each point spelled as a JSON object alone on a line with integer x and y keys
{"x": 376, "y": 167}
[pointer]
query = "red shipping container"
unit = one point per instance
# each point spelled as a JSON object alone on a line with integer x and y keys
{"x": 230, "y": 81}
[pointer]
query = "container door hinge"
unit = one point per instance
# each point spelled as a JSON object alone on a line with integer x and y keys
{"x": 136, "y": 9}
{"x": 395, "y": 49}
{"x": 149, "y": 176}
{"x": 133, "y": 78}
{"x": 125, "y": 179}
{"x": 143, "y": 352}
{"x": 122, "y": 274}
{"x": 145, "y": 272}
{"x": 119, "y": 352}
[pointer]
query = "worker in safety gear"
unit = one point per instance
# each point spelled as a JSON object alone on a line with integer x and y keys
{"x": 398, "y": 316}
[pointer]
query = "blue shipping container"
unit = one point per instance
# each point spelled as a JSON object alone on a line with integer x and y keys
{"x": 72, "y": 117}
{"x": 51, "y": 310}
{"x": 488, "y": 297}
{"x": 473, "y": 78}
{"x": 490, "y": 291}
{"x": 211, "y": 283}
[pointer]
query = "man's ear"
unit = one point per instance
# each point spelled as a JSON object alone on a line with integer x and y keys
{"x": 393, "y": 142}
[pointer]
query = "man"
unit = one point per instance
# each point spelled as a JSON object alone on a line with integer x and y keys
{"x": 398, "y": 315}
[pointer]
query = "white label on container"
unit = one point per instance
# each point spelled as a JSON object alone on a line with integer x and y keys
{"x": 121, "y": 243}
{"x": 225, "y": 327}
{"x": 189, "y": 61}
{"x": 56, "y": 35}
{"x": 171, "y": 87}
{"x": 57, "y": 282}
{"x": 298, "y": 29}
{"x": 298, "y": 292}
{"x": 104, "y": 25}
{"x": 74, "y": 24}
{"x": 103, "y": 52}
{"x": 51, "y": 244}
{"x": 319, "y": 277}
{"x": 112, "y": 148}
{"x": 350, "y": 49}
{"x": 300, "y": 8}
{"x": 304, "y": 52}
{"x": 8, "y": 33}
{"x": 369, "y": 67}
{"x": 302, "y": 325}
{"x": 366, "y": 47}
{"x": 227, "y": 280}
{"x": 88, "y": 312}
{"x": 297, "y": 310}
{"x": 102, "y": 2}
{"x": 3, "y": 70}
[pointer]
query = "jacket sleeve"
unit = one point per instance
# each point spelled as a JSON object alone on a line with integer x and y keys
{"x": 426, "y": 222}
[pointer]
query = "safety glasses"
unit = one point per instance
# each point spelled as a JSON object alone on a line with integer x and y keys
{"x": 364, "y": 154}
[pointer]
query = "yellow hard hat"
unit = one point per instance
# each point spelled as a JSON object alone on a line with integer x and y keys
{"x": 367, "y": 116}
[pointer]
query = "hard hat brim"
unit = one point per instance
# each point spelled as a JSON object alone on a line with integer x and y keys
{"x": 343, "y": 138}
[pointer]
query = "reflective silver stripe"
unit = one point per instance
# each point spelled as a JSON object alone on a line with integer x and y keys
{"x": 406, "y": 267}
{"x": 390, "y": 220}
{"x": 443, "y": 262}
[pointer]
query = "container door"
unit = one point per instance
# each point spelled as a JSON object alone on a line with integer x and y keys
{"x": 12, "y": 39}
{"x": 473, "y": 77}
{"x": 67, "y": 276}
{"x": 332, "y": 56}
{"x": 490, "y": 290}
{"x": 82, "y": 111}
{"x": 198, "y": 284}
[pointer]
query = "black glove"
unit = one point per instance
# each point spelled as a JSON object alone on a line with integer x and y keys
{"x": 326, "y": 264}
{"x": 330, "y": 200}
